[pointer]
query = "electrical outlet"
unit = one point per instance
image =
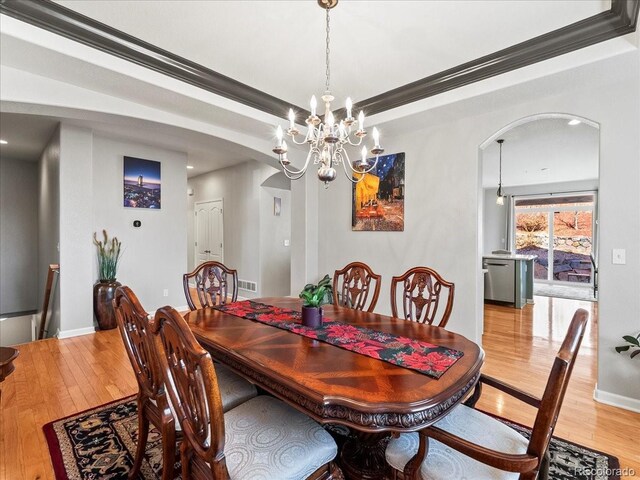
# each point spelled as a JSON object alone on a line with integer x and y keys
{"x": 165, "y": 292}
{"x": 619, "y": 256}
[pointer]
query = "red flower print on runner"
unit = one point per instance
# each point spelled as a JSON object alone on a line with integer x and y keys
{"x": 423, "y": 357}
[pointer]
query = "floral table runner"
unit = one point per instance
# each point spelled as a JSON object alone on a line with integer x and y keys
{"x": 423, "y": 357}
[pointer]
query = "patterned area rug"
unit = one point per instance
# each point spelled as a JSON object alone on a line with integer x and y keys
{"x": 101, "y": 444}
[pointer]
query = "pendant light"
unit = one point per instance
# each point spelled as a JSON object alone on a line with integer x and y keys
{"x": 500, "y": 195}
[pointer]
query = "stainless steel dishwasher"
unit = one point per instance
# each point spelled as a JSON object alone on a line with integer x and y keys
{"x": 499, "y": 282}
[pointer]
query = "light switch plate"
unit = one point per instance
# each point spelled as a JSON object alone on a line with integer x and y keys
{"x": 619, "y": 256}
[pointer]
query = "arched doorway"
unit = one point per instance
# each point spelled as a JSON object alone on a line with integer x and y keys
{"x": 549, "y": 174}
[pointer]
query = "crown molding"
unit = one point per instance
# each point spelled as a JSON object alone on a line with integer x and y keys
{"x": 63, "y": 21}
{"x": 620, "y": 19}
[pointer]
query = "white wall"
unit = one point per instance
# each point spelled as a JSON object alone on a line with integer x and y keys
{"x": 275, "y": 257}
{"x": 443, "y": 200}
{"x": 495, "y": 216}
{"x": 76, "y": 208}
{"x": 49, "y": 223}
{"x": 18, "y": 235}
{"x": 154, "y": 255}
{"x": 240, "y": 188}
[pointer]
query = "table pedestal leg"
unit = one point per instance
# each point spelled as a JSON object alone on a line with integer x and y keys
{"x": 363, "y": 456}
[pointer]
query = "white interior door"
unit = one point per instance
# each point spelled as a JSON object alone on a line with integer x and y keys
{"x": 209, "y": 232}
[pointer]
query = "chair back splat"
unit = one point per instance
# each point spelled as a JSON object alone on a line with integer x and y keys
{"x": 352, "y": 286}
{"x": 132, "y": 322}
{"x": 214, "y": 284}
{"x": 193, "y": 388}
{"x": 422, "y": 292}
{"x": 153, "y": 404}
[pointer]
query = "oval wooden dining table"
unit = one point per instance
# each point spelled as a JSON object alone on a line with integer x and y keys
{"x": 337, "y": 386}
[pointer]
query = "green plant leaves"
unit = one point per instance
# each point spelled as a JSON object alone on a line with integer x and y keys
{"x": 109, "y": 252}
{"x": 317, "y": 295}
{"x": 634, "y": 342}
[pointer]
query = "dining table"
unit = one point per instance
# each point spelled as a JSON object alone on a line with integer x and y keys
{"x": 335, "y": 386}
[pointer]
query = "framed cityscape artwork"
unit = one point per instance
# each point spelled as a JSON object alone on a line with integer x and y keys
{"x": 141, "y": 183}
{"x": 378, "y": 199}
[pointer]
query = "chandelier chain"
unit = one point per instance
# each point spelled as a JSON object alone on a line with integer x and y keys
{"x": 327, "y": 51}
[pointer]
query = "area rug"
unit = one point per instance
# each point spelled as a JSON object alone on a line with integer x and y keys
{"x": 100, "y": 444}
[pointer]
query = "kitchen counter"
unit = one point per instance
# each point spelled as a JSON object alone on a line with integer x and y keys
{"x": 510, "y": 256}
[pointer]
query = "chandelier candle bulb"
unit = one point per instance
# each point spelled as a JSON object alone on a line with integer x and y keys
{"x": 292, "y": 119}
{"x": 361, "y": 121}
{"x": 279, "y": 136}
{"x": 314, "y": 105}
{"x": 376, "y": 137}
{"x": 363, "y": 162}
{"x": 349, "y": 107}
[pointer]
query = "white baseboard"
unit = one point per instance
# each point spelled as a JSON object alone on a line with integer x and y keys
{"x": 615, "y": 400}
{"x": 76, "y": 333}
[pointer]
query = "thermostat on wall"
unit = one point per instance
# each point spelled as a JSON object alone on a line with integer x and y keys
{"x": 137, "y": 223}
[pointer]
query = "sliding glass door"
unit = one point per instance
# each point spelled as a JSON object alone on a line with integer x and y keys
{"x": 560, "y": 230}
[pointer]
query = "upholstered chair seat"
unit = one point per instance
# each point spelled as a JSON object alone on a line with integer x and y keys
{"x": 467, "y": 443}
{"x": 266, "y": 439}
{"x": 444, "y": 463}
{"x": 234, "y": 390}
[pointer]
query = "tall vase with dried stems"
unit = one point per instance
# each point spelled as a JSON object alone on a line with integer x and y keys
{"x": 109, "y": 252}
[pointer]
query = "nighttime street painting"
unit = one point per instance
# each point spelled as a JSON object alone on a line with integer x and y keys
{"x": 378, "y": 200}
{"x": 141, "y": 183}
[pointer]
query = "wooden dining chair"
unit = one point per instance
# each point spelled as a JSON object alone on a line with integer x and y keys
{"x": 471, "y": 444}
{"x": 352, "y": 285}
{"x": 422, "y": 292}
{"x": 214, "y": 282}
{"x": 153, "y": 405}
{"x": 262, "y": 438}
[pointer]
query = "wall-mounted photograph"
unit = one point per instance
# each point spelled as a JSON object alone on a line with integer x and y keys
{"x": 141, "y": 183}
{"x": 378, "y": 199}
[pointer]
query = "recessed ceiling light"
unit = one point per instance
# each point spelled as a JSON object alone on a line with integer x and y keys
{"x": 3, "y": 142}
{"x": 575, "y": 121}
{"x": 190, "y": 167}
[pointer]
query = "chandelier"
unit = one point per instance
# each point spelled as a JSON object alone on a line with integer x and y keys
{"x": 499, "y": 193}
{"x": 326, "y": 137}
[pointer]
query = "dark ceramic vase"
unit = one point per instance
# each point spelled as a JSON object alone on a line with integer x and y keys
{"x": 103, "y": 294}
{"x": 312, "y": 317}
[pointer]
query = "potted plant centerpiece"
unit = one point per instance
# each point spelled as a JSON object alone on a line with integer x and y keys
{"x": 313, "y": 297}
{"x": 109, "y": 252}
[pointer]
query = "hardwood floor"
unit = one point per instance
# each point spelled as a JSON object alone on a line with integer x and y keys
{"x": 56, "y": 378}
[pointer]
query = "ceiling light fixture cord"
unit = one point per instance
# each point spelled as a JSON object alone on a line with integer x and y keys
{"x": 499, "y": 194}
{"x": 327, "y": 52}
{"x": 327, "y": 137}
